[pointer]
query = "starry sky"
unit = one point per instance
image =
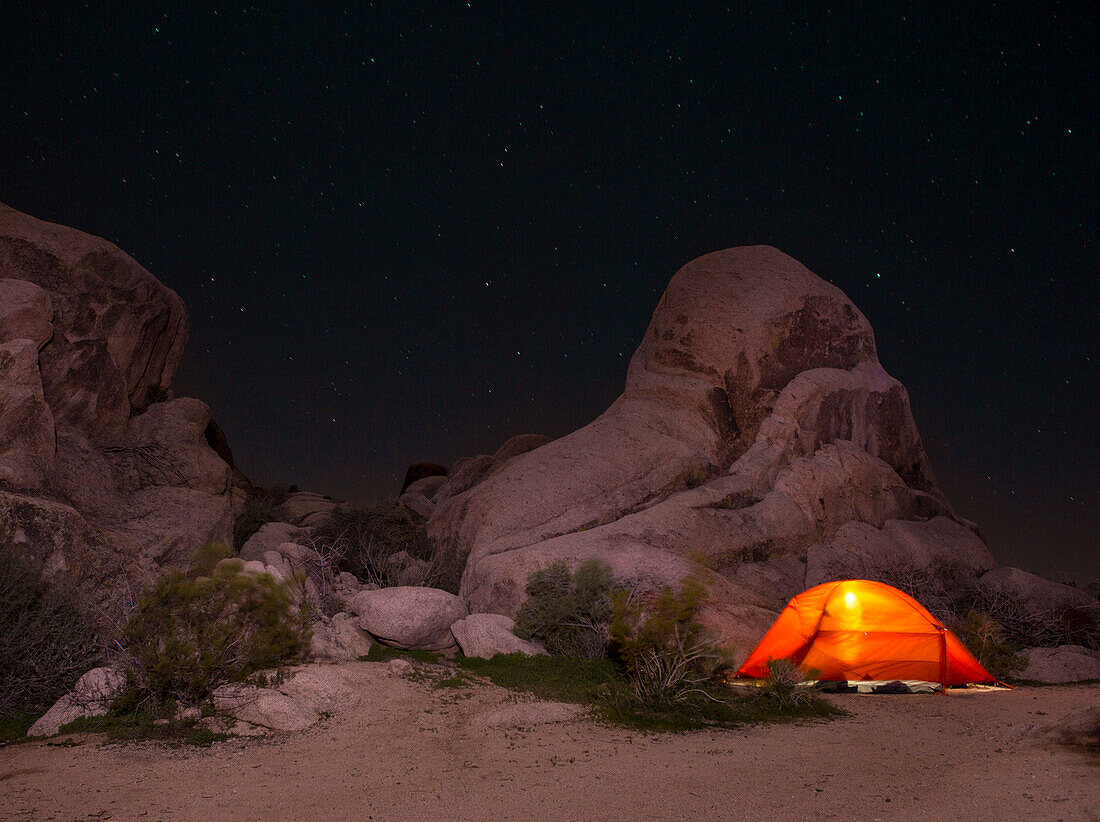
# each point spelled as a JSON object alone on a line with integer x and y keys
{"x": 409, "y": 231}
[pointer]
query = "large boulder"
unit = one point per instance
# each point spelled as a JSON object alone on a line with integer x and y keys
{"x": 409, "y": 617}
{"x": 118, "y": 333}
{"x": 756, "y": 422}
{"x": 859, "y": 550}
{"x": 168, "y": 525}
{"x": 63, "y": 546}
{"x": 422, "y": 470}
{"x": 1034, "y": 592}
{"x": 1068, "y": 663}
{"x": 305, "y": 509}
{"x": 168, "y": 445}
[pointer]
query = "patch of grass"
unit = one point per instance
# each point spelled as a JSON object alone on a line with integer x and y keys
{"x": 457, "y": 679}
{"x": 14, "y": 727}
{"x": 718, "y": 706}
{"x": 599, "y": 684}
{"x": 557, "y": 678}
{"x": 143, "y": 726}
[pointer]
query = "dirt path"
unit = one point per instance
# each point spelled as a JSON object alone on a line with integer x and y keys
{"x": 410, "y": 751}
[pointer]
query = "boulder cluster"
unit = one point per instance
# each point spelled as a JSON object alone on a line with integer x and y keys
{"x": 758, "y": 447}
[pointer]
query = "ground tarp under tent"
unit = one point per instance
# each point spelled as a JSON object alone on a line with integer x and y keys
{"x": 861, "y": 630}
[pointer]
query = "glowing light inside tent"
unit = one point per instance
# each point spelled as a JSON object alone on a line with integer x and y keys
{"x": 850, "y": 600}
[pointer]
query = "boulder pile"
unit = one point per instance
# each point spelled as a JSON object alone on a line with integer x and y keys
{"x": 758, "y": 447}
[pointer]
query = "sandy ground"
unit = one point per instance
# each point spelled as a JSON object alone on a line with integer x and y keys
{"x": 410, "y": 751}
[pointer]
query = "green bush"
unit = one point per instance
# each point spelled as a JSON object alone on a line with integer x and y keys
{"x": 213, "y": 625}
{"x": 46, "y": 640}
{"x": 568, "y": 612}
{"x": 666, "y": 656}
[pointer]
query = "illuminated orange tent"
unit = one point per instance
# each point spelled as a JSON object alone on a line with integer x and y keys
{"x": 861, "y": 630}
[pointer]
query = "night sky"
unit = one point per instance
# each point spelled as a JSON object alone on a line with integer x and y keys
{"x": 408, "y": 234}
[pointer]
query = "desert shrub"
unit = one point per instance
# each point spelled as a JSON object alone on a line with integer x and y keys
{"x": 212, "y": 625}
{"x": 783, "y": 683}
{"x": 47, "y": 640}
{"x": 386, "y": 544}
{"x": 984, "y": 637}
{"x": 946, "y": 589}
{"x": 258, "y": 510}
{"x": 1026, "y": 624}
{"x": 666, "y": 656}
{"x": 568, "y": 612}
{"x": 952, "y": 593}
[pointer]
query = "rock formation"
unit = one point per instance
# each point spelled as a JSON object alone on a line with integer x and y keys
{"x": 102, "y": 475}
{"x": 758, "y": 446}
{"x": 757, "y": 433}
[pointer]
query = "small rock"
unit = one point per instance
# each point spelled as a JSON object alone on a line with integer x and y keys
{"x": 265, "y": 707}
{"x": 270, "y": 536}
{"x": 91, "y": 696}
{"x": 339, "y": 640}
{"x": 485, "y": 635}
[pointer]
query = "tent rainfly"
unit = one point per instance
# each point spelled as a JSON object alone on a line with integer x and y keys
{"x": 861, "y": 630}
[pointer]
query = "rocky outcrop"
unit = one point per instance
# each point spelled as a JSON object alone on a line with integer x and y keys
{"x": 422, "y": 470}
{"x": 756, "y": 429}
{"x": 1034, "y": 592}
{"x": 89, "y": 343}
{"x": 118, "y": 333}
{"x": 305, "y": 509}
{"x": 26, "y": 311}
{"x": 859, "y": 550}
{"x": 268, "y": 538}
{"x": 423, "y": 495}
